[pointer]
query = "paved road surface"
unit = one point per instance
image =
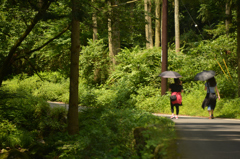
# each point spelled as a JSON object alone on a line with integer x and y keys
{"x": 61, "y": 104}
{"x": 203, "y": 138}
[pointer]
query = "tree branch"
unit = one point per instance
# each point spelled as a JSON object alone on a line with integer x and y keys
{"x": 34, "y": 69}
{"x": 57, "y": 36}
{"x": 13, "y": 49}
{"x": 6, "y": 34}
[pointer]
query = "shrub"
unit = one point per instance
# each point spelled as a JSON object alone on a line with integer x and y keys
{"x": 26, "y": 119}
{"x": 108, "y": 133}
{"x": 139, "y": 66}
{"x": 94, "y": 62}
{"x": 54, "y": 86}
{"x": 11, "y": 136}
{"x": 227, "y": 87}
{"x": 149, "y": 98}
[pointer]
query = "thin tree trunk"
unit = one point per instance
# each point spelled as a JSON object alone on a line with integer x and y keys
{"x": 73, "y": 123}
{"x": 116, "y": 40}
{"x": 110, "y": 41}
{"x": 238, "y": 43}
{"x": 95, "y": 31}
{"x": 5, "y": 67}
{"x": 131, "y": 15}
{"x": 228, "y": 16}
{"x": 113, "y": 34}
{"x": 158, "y": 24}
{"x": 116, "y": 33}
{"x": 95, "y": 37}
{"x": 177, "y": 27}
{"x": 146, "y": 25}
{"x": 161, "y": 22}
{"x": 150, "y": 24}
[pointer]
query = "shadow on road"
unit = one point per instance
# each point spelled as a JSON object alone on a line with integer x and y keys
{"x": 203, "y": 138}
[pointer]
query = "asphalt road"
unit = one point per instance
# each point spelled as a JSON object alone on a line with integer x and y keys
{"x": 66, "y": 106}
{"x": 203, "y": 138}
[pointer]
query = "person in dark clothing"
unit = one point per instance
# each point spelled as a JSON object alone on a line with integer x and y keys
{"x": 211, "y": 87}
{"x": 176, "y": 89}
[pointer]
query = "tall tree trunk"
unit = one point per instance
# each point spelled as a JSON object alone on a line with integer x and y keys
{"x": 131, "y": 15}
{"x": 158, "y": 23}
{"x": 228, "y": 15}
{"x": 164, "y": 45}
{"x": 73, "y": 124}
{"x": 161, "y": 22}
{"x": 177, "y": 28}
{"x": 95, "y": 31}
{"x": 238, "y": 43}
{"x": 110, "y": 41}
{"x": 116, "y": 36}
{"x": 148, "y": 25}
{"x": 7, "y": 62}
{"x": 113, "y": 34}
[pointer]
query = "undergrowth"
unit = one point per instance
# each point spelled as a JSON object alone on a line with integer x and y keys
{"x": 108, "y": 133}
{"x": 118, "y": 102}
{"x": 28, "y": 122}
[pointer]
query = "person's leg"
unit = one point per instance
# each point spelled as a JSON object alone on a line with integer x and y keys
{"x": 177, "y": 111}
{"x": 172, "y": 110}
{"x": 210, "y": 112}
{"x": 212, "y": 109}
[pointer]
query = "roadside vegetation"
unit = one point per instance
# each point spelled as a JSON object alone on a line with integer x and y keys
{"x": 29, "y": 125}
{"x": 118, "y": 74}
{"x": 118, "y": 107}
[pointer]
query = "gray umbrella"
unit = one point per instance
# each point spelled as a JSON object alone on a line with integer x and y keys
{"x": 170, "y": 74}
{"x": 205, "y": 75}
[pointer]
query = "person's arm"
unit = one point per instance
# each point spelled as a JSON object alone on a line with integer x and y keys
{"x": 170, "y": 87}
{"x": 181, "y": 88}
{"x": 217, "y": 93}
{"x": 205, "y": 87}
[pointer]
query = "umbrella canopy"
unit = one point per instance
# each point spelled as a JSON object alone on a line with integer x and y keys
{"x": 205, "y": 75}
{"x": 170, "y": 74}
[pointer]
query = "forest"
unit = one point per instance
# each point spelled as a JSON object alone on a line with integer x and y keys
{"x": 106, "y": 56}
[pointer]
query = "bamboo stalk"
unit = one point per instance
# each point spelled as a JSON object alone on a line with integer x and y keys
{"x": 221, "y": 68}
{"x": 227, "y": 68}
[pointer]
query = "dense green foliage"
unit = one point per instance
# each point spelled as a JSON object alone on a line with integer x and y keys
{"x": 25, "y": 119}
{"x": 118, "y": 100}
{"x": 109, "y": 134}
{"x": 33, "y": 55}
{"x": 28, "y": 122}
{"x": 135, "y": 82}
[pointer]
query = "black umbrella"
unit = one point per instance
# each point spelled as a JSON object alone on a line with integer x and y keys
{"x": 204, "y": 75}
{"x": 170, "y": 74}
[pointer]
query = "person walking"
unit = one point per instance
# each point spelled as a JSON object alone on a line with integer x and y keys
{"x": 210, "y": 102}
{"x": 176, "y": 89}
